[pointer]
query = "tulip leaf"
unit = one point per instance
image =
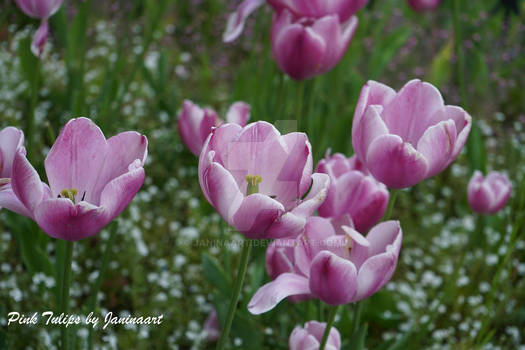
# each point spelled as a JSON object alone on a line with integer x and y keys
{"x": 476, "y": 153}
{"x": 440, "y": 71}
{"x": 214, "y": 274}
{"x": 357, "y": 340}
{"x": 385, "y": 53}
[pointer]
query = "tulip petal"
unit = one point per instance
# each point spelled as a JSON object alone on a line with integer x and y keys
{"x": 120, "y": 191}
{"x": 301, "y": 340}
{"x": 314, "y": 198}
{"x": 256, "y": 213}
{"x": 333, "y": 279}
{"x": 317, "y": 330}
{"x": 374, "y": 274}
{"x": 236, "y": 20}
{"x": 382, "y": 235}
{"x": 239, "y": 113}
{"x": 437, "y": 145}
{"x": 39, "y": 39}
{"x": 76, "y": 159}
{"x": 395, "y": 163}
{"x": 269, "y": 295}
{"x": 26, "y": 183}
{"x": 62, "y": 219}
{"x": 463, "y": 123}
{"x": 10, "y": 201}
{"x": 11, "y": 140}
{"x": 371, "y": 127}
{"x": 360, "y": 247}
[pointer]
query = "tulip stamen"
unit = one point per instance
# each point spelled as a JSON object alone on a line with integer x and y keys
{"x": 4, "y": 181}
{"x": 253, "y": 184}
{"x": 69, "y": 194}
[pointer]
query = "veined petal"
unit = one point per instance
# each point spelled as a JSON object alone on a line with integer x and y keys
{"x": 26, "y": 183}
{"x": 437, "y": 145}
{"x": 256, "y": 214}
{"x": 236, "y": 20}
{"x": 10, "y": 201}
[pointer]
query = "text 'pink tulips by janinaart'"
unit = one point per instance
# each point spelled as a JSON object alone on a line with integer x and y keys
{"x": 407, "y": 136}
{"x": 91, "y": 180}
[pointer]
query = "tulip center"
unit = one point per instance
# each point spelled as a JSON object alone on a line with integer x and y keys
{"x": 4, "y": 181}
{"x": 253, "y": 184}
{"x": 69, "y": 194}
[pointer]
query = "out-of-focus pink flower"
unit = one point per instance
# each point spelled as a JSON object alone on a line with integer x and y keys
{"x": 195, "y": 123}
{"x": 11, "y": 142}
{"x": 305, "y": 47}
{"x": 311, "y": 335}
{"x": 408, "y": 136}
{"x": 314, "y": 9}
{"x": 335, "y": 268}
{"x": 488, "y": 195}
{"x": 352, "y": 191}
{"x": 91, "y": 180}
{"x": 424, "y": 5}
{"x": 258, "y": 180}
{"x": 40, "y": 9}
{"x": 212, "y": 327}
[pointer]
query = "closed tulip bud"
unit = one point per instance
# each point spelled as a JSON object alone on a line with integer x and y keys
{"x": 212, "y": 327}
{"x": 408, "y": 136}
{"x": 488, "y": 195}
{"x": 352, "y": 191}
{"x": 195, "y": 123}
{"x": 305, "y": 47}
{"x": 311, "y": 335}
{"x": 424, "y": 5}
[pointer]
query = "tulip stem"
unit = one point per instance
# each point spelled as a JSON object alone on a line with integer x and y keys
{"x": 243, "y": 265}
{"x": 329, "y": 324}
{"x": 358, "y": 309}
{"x": 391, "y": 202}
{"x": 66, "y": 281}
{"x": 92, "y": 304}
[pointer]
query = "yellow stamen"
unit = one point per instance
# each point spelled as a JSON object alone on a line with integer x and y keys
{"x": 253, "y": 184}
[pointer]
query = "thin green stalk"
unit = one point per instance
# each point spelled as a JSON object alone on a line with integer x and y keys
{"x": 64, "y": 300}
{"x": 459, "y": 52}
{"x": 299, "y": 107}
{"x": 92, "y": 303}
{"x": 329, "y": 324}
{"x": 358, "y": 310}
{"x": 391, "y": 202}
{"x": 243, "y": 265}
{"x": 30, "y": 127}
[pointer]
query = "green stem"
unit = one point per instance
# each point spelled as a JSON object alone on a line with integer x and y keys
{"x": 391, "y": 202}
{"x": 243, "y": 265}
{"x": 329, "y": 324}
{"x": 459, "y": 52}
{"x": 92, "y": 304}
{"x": 30, "y": 127}
{"x": 299, "y": 106}
{"x": 358, "y": 309}
{"x": 64, "y": 300}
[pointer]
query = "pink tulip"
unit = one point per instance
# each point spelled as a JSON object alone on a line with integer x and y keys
{"x": 335, "y": 268}
{"x": 212, "y": 328}
{"x": 195, "y": 124}
{"x": 352, "y": 191}
{"x": 314, "y": 9}
{"x": 424, "y": 5}
{"x": 259, "y": 181}
{"x": 305, "y": 47}
{"x": 408, "y": 136}
{"x": 39, "y": 9}
{"x": 311, "y": 335}
{"x": 91, "y": 180}
{"x": 11, "y": 142}
{"x": 488, "y": 195}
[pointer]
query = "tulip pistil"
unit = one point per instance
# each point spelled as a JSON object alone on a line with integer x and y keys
{"x": 69, "y": 194}
{"x": 253, "y": 184}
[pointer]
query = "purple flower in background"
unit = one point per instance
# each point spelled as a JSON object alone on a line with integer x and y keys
{"x": 195, "y": 123}
{"x": 11, "y": 143}
{"x": 352, "y": 191}
{"x": 488, "y": 195}
{"x": 260, "y": 181}
{"x": 424, "y": 5}
{"x": 310, "y": 337}
{"x": 91, "y": 180}
{"x": 212, "y": 328}
{"x": 408, "y": 136}
{"x": 335, "y": 268}
{"x": 304, "y": 47}
{"x": 39, "y": 9}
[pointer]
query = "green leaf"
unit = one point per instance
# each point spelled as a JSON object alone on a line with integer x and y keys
{"x": 214, "y": 274}
{"x": 476, "y": 153}
{"x": 385, "y": 53}
{"x": 440, "y": 69}
{"x": 357, "y": 341}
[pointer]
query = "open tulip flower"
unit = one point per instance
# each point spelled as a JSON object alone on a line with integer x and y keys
{"x": 352, "y": 191}
{"x": 40, "y": 9}
{"x": 309, "y": 337}
{"x": 408, "y": 136}
{"x": 260, "y": 181}
{"x": 335, "y": 268}
{"x": 424, "y": 5}
{"x": 488, "y": 195}
{"x": 304, "y": 47}
{"x": 11, "y": 142}
{"x": 195, "y": 123}
{"x": 91, "y": 180}
{"x": 315, "y": 9}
